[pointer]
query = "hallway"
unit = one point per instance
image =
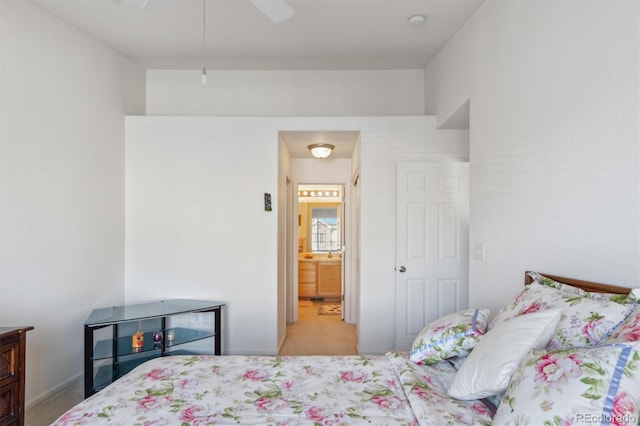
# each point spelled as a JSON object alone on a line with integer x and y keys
{"x": 316, "y": 334}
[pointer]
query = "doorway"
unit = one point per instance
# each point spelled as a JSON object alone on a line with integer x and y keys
{"x": 432, "y": 242}
{"x": 321, "y": 243}
{"x": 320, "y": 328}
{"x": 300, "y": 168}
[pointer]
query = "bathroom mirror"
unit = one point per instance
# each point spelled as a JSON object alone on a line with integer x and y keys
{"x": 319, "y": 220}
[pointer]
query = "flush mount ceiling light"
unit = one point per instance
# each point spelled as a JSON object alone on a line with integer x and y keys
{"x": 321, "y": 150}
{"x": 417, "y": 20}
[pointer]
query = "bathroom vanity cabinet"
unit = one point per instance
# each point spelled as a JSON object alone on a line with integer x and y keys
{"x": 319, "y": 278}
{"x": 329, "y": 276}
{"x": 307, "y": 276}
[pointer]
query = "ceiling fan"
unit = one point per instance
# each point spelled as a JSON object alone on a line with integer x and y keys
{"x": 276, "y": 10}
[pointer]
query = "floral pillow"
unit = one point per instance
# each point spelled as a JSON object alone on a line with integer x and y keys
{"x": 585, "y": 320}
{"x": 629, "y": 331}
{"x": 589, "y": 385}
{"x": 450, "y": 336}
{"x": 614, "y": 297}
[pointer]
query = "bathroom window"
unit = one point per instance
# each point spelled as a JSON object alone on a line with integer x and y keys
{"x": 325, "y": 229}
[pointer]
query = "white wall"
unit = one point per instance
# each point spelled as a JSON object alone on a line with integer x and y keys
{"x": 196, "y": 225}
{"x": 554, "y": 140}
{"x": 62, "y": 104}
{"x": 448, "y": 76}
{"x": 195, "y": 219}
{"x": 286, "y": 93}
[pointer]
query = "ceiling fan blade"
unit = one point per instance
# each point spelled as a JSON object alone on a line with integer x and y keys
{"x": 276, "y": 10}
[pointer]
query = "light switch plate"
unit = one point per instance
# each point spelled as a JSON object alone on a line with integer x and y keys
{"x": 478, "y": 251}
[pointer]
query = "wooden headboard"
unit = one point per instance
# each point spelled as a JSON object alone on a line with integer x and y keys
{"x": 585, "y": 285}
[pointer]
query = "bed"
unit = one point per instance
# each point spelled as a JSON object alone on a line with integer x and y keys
{"x": 520, "y": 366}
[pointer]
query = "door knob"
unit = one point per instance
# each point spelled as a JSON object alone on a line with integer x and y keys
{"x": 401, "y": 268}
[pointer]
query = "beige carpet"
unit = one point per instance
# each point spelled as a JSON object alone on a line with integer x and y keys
{"x": 315, "y": 334}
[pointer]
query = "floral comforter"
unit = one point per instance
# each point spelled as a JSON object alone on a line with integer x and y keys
{"x": 268, "y": 390}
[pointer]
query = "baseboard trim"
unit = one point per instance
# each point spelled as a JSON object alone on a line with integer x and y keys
{"x": 48, "y": 394}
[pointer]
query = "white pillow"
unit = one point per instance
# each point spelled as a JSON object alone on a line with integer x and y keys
{"x": 489, "y": 367}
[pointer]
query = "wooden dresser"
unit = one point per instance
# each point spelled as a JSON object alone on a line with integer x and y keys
{"x": 12, "y": 368}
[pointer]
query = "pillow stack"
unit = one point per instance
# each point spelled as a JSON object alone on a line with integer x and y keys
{"x": 555, "y": 354}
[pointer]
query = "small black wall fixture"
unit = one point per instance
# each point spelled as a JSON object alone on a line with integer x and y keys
{"x": 267, "y": 202}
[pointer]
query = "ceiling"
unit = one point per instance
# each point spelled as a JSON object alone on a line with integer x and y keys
{"x": 322, "y": 34}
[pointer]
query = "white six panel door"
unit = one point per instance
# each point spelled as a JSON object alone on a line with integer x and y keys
{"x": 432, "y": 245}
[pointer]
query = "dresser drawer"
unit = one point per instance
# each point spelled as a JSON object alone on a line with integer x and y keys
{"x": 9, "y": 405}
{"x": 307, "y": 277}
{"x": 307, "y": 290}
{"x": 307, "y": 272}
{"x": 9, "y": 357}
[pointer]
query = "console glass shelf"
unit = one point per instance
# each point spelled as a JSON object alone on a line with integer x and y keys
{"x": 108, "y": 333}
